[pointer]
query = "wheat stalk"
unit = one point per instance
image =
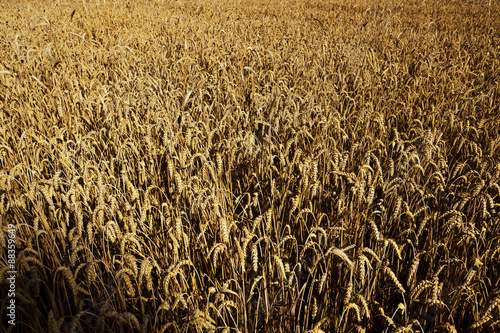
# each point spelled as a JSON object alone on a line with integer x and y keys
{"x": 394, "y": 279}
{"x": 255, "y": 257}
{"x": 68, "y": 275}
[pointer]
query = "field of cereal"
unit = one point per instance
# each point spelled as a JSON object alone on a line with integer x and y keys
{"x": 250, "y": 166}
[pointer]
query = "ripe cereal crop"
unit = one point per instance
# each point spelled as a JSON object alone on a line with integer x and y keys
{"x": 250, "y": 166}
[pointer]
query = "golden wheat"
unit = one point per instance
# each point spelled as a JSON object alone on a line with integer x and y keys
{"x": 142, "y": 159}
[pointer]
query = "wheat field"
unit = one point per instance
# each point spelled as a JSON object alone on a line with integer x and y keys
{"x": 251, "y": 166}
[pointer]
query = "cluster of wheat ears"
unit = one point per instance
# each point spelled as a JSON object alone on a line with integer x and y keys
{"x": 251, "y": 166}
